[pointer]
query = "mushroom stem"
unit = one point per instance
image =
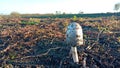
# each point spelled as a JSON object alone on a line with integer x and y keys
{"x": 74, "y": 54}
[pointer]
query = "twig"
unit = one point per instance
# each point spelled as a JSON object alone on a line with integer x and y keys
{"x": 7, "y": 48}
{"x": 5, "y": 45}
{"x": 41, "y": 54}
{"x": 90, "y": 46}
{"x": 98, "y": 37}
{"x": 52, "y": 41}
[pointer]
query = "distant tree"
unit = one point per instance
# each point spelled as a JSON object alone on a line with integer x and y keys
{"x": 80, "y": 12}
{"x": 64, "y": 13}
{"x": 15, "y": 14}
{"x": 117, "y": 6}
{"x": 58, "y": 12}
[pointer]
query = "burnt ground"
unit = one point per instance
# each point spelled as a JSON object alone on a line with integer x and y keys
{"x": 43, "y": 45}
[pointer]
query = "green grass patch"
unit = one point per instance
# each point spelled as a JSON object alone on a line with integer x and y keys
{"x": 29, "y": 23}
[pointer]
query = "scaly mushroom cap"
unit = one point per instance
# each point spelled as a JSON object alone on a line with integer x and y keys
{"x": 74, "y": 34}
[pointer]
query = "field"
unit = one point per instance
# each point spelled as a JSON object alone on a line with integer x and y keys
{"x": 40, "y": 42}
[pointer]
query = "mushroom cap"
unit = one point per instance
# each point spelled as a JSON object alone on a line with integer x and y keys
{"x": 74, "y": 34}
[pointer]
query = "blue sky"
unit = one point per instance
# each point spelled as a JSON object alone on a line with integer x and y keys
{"x": 50, "y": 6}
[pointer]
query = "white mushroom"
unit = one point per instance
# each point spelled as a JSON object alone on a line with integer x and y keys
{"x": 74, "y": 37}
{"x": 74, "y": 34}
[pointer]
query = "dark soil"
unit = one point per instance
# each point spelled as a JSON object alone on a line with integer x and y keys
{"x": 43, "y": 45}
